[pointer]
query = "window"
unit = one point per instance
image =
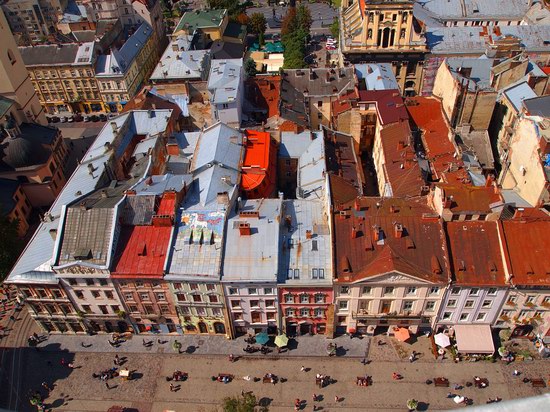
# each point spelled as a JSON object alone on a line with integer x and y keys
{"x": 523, "y": 314}
{"x": 319, "y": 313}
{"x": 216, "y": 312}
{"x": 109, "y": 294}
{"x": 455, "y": 291}
{"x": 304, "y": 312}
{"x": 268, "y": 291}
{"x": 270, "y": 303}
{"x": 213, "y": 298}
{"x": 367, "y": 290}
{"x": 149, "y": 310}
{"x": 369, "y": 34}
{"x": 430, "y": 306}
{"x": 115, "y": 308}
{"x": 411, "y": 290}
{"x": 487, "y": 304}
{"x": 402, "y": 34}
{"x": 512, "y": 299}
{"x": 320, "y": 104}
{"x": 546, "y": 300}
{"x": 451, "y": 303}
{"x": 95, "y": 294}
{"x": 103, "y": 309}
{"x": 343, "y": 305}
{"x": 344, "y": 290}
{"x": 407, "y": 305}
{"x": 296, "y": 273}
{"x": 102, "y": 282}
{"x": 447, "y": 315}
{"x": 481, "y": 316}
{"x": 193, "y": 286}
{"x": 160, "y": 296}
{"x": 304, "y": 298}
{"x": 128, "y": 296}
{"x": 252, "y": 291}
{"x": 233, "y": 291}
{"x": 255, "y": 303}
{"x": 319, "y": 298}
{"x": 289, "y": 298}
{"x": 235, "y": 303}
{"x": 73, "y": 282}
{"x": 464, "y": 317}
{"x": 238, "y": 316}
{"x": 57, "y": 293}
{"x": 492, "y": 291}
{"x": 388, "y": 290}
{"x": 314, "y": 274}
{"x": 87, "y": 308}
{"x": 90, "y": 282}
{"x": 144, "y": 296}
{"x": 289, "y": 312}
{"x": 469, "y": 303}
{"x": 210, "y": 287}
{"x": 133, "y": 308}
{"x": 139, "y": 284}
{"x": 180, "y": 297}
{"x": 434, "y": 290}
{"x": 321, "y": 273}
{"x": 79, "y": 294}
{"x": 530, "y": 299}
{"x": 197, "y": 298}
{"x": 474, "y": 292}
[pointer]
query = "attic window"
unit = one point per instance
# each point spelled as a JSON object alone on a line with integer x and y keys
{"x": 142, "y": 249}
{"x": 461, "y": 266}
{"x": 83, "y": 254}
{"x": 436, "y": 267}
{"x": 492, "y": 266}
{"x": 314, "y": 246}
{"x": 410, "y": 243}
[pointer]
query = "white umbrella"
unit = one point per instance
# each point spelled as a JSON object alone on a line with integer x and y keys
{"x": 442, "y": 340}
{"x": 458, "y": 399}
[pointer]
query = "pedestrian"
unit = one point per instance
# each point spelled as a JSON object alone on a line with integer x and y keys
{"x": 172, "y": 388}
{"x": 35, "y": 336}
{"x": 314, "y": 397}
{"x": 516, "y": 372}
{"x": 303, "y": 369}
{"x": 45, "y": 386}
{"x": 297, "y": 404}
{"x": 116, "y": 361}
{"x": 337, "y": 399}
{"x": 107, "y": 385}
{"x": 12, "y": 318}
{"x": 449, "y": 395}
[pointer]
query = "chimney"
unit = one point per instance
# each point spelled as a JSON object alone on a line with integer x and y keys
{"x": 309, "y": 234}
{"x": 149, "y": 181}
{"x": 244, "y": 229}
{"x": 448, "y": 202}
{"x": 400, "y": 145}
{"x": 345, "y": 266}
{"x": 223, "y": 198}
{"x": 518, "y": 213}
{"x": 175, "y": 47}
{"x": 357, "y": 204}
{"x": 153, "y": 106}
{"x": 53, "y": 233}
{"x": 114, "y": 127}
{"x": 398, "y": 230}
{"x": 376, "y": 234}
{"x": 172, "y": 149}
{"x": 490, "y": 180}
{"x": 104, "y": 194}
{"x": 107, "y": 146}
{"x": 353, "y": 232}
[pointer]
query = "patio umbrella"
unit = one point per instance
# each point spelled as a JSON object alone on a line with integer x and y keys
{"x": 262, "y": 338}
{"x": 281, "y": 340}
{"x": 442, "y": 340}
{"x": 402, "y": 334}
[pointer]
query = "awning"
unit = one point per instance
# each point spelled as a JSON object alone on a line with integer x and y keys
{"x": 474, "y": 339}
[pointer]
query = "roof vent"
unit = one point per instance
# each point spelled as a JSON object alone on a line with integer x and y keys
{"x": 436, "y": 266}
{"x": 345, "y": 266}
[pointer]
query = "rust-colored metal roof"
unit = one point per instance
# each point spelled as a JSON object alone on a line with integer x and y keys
{"x": 374, "y": 236}
{"x": 527, "y": 241}
{"x": 264, "y": 93}
{"x": 427, "y": 115}
{"x": 142, "y": 251}
{"x": 389, "y": 104}
{"x": 344, "y": 102}
{"x": 259, "y": 165}
{"x": 467, "y": 198}
{"x": 401, "y": 168}
{"x": 475, "y": 254}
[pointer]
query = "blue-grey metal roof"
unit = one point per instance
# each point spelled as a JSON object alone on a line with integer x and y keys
{"x": 293, "y": 145}
{"x": 307, "y": 253}
{"x": 117, "y": 62}
{"x": 158, "y": 184}
{"x": 518, "y": 93}
{"x": 91, "y": 174}
{"x": 225, "y": 80}
{"x": 378, "y": 76}
{"x": 480, "y": 71}
{"x": 510, "y": 196}
{"x": 178, "y": 64}
{"x": 475, "y": 9}
{"x": 219, "y": 144}
{"x": 312, "y": 170}
{"x": 538, "y": 106}
{"x": 254, "y": 257}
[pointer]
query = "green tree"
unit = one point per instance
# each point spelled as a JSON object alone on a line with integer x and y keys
{"x": 258, "y": 23}
{"x": 250, "y": 67}
{"x": 295, "y": 32}
{"x": 412, "y": 404}
{"x": 289, "y": 23}
{"x": 335, "y": 28}
{"x": 233, "y": 6}
{"x": 303, "y": 16}
{"x": 10, "y": 244}
{"x": 243, "y": 403}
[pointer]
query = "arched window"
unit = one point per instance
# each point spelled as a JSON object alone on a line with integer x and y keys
{"x": 402, "y": 34}
{"x": 11, "y": 57}
{"x": 369, "y": 34}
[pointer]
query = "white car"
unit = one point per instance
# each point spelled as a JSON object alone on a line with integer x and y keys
{"x": 331, "y": 41}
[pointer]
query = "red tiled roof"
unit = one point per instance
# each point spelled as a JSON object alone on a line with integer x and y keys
{"x": 344, "y": 102}
{"x": 475, "y": 254}
{"x": 264, "y": 92}
{"x": 259, "y": 165}
{"x": 389, "y": 104}
{"x": 470, "y": 198}
{"x": 427, "y": 115}
{"x": 401, "y": 168}
{"x": 546, "y": 69}
{"x": 145, "y": 100}
{"x": 167, "y": 205}
{"x": 527, "y": 242}
{"x": 143, "y": 251}
{"x": 410, "y": 240}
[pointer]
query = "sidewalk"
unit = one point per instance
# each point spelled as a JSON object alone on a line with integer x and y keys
{"x": 302, "y": 346}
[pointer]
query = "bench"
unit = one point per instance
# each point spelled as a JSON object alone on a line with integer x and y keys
{"x": 538, "y": 383}
{"x": 441, "y": 382}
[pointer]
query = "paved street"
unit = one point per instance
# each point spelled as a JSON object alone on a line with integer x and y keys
{"x": 202, "y": 357}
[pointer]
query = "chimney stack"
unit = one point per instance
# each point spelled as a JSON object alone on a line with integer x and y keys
{"x": 309, "y": 234}
{"x": 353, "y": 232}
{"x": 398, "y": 230}
{"x": 244, "y": 229}
{"x": 357, "y": 204}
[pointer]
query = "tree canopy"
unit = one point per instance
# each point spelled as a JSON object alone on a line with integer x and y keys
{"x": 295, "y": 32}
{"x": 10, "y": 244}
{"x": 243, "y": 403}
{"x": 250, "y": 67}
{"x": 258, "y": 23}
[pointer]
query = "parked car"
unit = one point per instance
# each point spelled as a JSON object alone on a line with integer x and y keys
{"x": 63, "y": 119}
{"x": 94, "y": 118}
{"x": 102, "y": 117}
{"x": 330, "y": 47}
{"x": 70, "y": 119}
{"x": 112, "y": 115}
{"x": 49, "y": 119}
{"x": 87, "y": 118}
{"x": 78, "y": 117}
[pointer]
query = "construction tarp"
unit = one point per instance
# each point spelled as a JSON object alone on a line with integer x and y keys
{"x": 474, "y": 339}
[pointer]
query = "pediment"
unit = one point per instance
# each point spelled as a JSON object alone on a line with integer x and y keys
{"x": 396, "y": 277}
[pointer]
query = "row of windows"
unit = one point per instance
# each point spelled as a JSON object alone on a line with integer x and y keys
{"x": 305, "y": 298}
{"x": 530, "y": 299}
{"x": 465, "y": 317}
{"x": 305, "y": 312}
{"x": 486, "y": 304}
{"x": 523, "y": 313}
{"x": 96, "y": 294}
{"x": 42, "y": 293}
{"x": 474, "y": 291}
{"x": 182, "y": 297}
{"x": 145, "y": 296}
{"x": 269, "y": 303}
{"x": 88, "y": 282}
{"x": 256, "y": 316}
{"x": 149, "y": 309}
{"x": 389, "y": 290}
{"x": 139, "y": 284}
{"x": 194, "y": 286}
{"x": 343, "y": 305}
{"x": 104, "y": 309}
{"x": 200, "y": 311}
{"x": 316, "y": 273}
{"x": 253, "y": 291}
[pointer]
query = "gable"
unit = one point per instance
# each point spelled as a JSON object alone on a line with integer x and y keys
{"x": 395, "y": 278}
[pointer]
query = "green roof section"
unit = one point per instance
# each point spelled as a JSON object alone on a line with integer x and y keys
{"x": 235, "y": 30}
{"x": 5, "y": 105}
{"x": 198, "y": 19}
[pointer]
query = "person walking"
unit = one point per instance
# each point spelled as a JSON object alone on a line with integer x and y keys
{"x": 314, "y": 397}
{"x": 45, "y": 386}
{"x": 116, "y": 361}
{"x": 172, "y": 388}
{"x": 107, "y": 385}
{"x": 337, "y": 399}
{"x": 297, "y": 404}
{"x": 303, "y": 369}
